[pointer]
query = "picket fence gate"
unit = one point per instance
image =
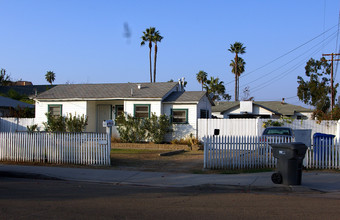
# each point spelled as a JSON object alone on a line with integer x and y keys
{"x": 248, "y": 152}
{"x": 58, "y": 148}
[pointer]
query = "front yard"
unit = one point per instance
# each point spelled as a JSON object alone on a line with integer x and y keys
{"x": 150, "y": 160}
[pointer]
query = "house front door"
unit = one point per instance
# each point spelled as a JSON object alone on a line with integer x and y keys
{"x": 104, "y": 112}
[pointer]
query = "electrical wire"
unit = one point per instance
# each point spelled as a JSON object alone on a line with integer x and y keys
{"x": 336, "y": 48}
{"x": 285, "y": 54}
{"x": 279, "y": 75}
{"x": 285, "y": 73}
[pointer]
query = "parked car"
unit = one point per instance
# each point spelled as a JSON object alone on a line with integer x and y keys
{"x": 274, "y": 134}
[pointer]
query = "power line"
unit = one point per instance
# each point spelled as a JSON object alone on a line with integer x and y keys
{"x": 280, "y": 75}
{"x": 290, "y": 61}
{"x": 270, "y": 62}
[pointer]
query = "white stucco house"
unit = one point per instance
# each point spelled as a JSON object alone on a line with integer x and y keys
{"x": 105, "y": 101}
{"x": 260, "y": 109}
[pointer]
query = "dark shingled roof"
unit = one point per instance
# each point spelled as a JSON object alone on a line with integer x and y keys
{"x": 186, "y": 97}
{"x": 274, "y": 106}
{"x": 8, "y": 102}
{"x": 107, "y": 91}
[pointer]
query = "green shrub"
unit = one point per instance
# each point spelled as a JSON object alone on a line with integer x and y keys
{"x": 134, "y": 130}
{"x": 32, "y": 128}
{"x": 65, "y": 124}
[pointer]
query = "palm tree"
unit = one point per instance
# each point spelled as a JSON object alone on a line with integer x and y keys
{"x": 157, "y": 38}
{"x": 215, "y": 87}
{"x": 148, "y": 37}
{"x": 237, "y": 48}
{"x": 240, "y": 69}
{"x": 50, "y": 77}
{"x": 201, "y": 77}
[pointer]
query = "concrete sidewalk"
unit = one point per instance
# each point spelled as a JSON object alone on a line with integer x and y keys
{"x": 312, "y": 180}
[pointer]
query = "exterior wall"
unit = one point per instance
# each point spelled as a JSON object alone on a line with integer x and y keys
{"x": 256, "y": 110}
{"x": 74, "y": 107}
{"x": 203, "y": 104}
{"x": 155, "y": 106}
{"x": 182, "y": 130}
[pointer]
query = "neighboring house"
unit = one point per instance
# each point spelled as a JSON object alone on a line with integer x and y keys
{"x": 8, "y": 104}
{"x": 264, "y": 109}
{"x": 105, "y": 101}
{"x": 29, "y": 90}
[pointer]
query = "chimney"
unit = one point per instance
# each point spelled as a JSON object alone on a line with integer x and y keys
{"x": 183, "y": 80}
{"x": 179, "y": 85}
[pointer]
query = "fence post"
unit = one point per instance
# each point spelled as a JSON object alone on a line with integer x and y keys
{"x": 108, "y": 124}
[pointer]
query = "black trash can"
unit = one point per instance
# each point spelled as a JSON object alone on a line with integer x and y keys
{"x": 289, "y": 162}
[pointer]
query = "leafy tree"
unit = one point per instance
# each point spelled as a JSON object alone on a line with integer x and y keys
{"x": 157, "y": 38}
{"x": 50, "y": 77}
{"x": 201, "y": 77}
{"x": 148, "y": 37}
{"x": 317, "y": 89}
{"x": 5, "y": 79}
{"x": 237, "y": 48}
{"x": 216, "y": 87}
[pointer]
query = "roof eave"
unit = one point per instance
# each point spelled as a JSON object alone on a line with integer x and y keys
{"x": 98, "y": 99}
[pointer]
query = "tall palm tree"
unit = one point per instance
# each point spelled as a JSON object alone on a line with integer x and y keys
{"x": 148, "y": 37}
{"x": 237, "y": 48}
{"x": 50, "y": 77}
{"x": 240, "y": 69}
{"x": 157, "y": 38}
{"x": 201, "y": 77}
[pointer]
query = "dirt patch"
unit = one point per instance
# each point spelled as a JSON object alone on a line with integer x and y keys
{"x": 150, "y": 160}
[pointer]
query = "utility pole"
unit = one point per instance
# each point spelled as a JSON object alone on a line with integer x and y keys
{"x": 332, "y": 88}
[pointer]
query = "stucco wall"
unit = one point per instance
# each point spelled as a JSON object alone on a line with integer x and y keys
{"x": 155, "y": 106}
{"x": 182, "y": 130}
{"x": 74, "y": 107}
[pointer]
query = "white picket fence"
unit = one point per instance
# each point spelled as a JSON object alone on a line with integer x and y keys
{"x": 59, "y": 148}
{"x": 247, "y": 152}
{"x": 253, "y": 127}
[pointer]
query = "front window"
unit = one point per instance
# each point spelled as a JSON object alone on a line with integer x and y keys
{"x": 55, "y": 110}
{"x": 142, "y": 111}
{"x": 180, "y": 116}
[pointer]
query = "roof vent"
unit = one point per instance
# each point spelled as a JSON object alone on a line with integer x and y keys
{"x": 131, "y": 92}
{"x": 139, "y": 86}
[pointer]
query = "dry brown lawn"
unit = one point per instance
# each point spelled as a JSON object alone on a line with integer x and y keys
{"x": 150, "y": 160}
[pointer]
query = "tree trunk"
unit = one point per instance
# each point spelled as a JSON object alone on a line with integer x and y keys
{"x": 236, "y": 78}
{"x": 150, "y": 46}
{"x": 154, "y": 64}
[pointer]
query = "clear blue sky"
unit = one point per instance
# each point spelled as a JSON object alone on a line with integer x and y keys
{"x": 83, "y": 41}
